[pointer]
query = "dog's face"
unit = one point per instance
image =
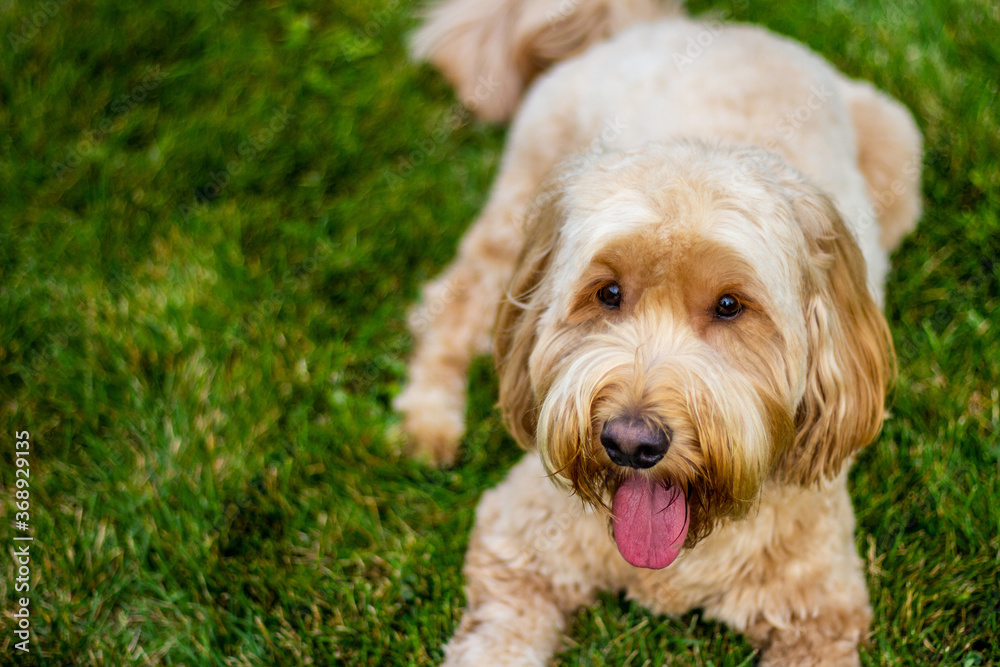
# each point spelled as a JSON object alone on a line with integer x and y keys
{"x": 685, "y": 323}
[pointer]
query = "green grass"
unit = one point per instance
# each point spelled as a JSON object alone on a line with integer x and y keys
{"x": 207, "y": 378}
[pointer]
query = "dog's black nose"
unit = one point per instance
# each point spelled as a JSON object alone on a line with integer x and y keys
{"x": 634, "y": 443}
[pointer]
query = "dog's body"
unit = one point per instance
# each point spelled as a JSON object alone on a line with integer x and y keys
{"x": 690, "y": 327}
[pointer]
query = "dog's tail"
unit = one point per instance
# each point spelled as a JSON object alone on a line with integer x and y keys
{"x": 890, "y": 156}
{"x": 491, "y": 49}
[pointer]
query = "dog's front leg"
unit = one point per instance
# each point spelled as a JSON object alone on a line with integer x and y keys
{"x": 535, "y": 555}
{"x": 452, "y": 323}
{"x": 512, "y": 618}
{"x": 828, "y": 640}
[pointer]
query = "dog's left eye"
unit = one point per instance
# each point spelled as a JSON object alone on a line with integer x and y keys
{"x": 728, "y": 307}
{"x": 610, "y": 295}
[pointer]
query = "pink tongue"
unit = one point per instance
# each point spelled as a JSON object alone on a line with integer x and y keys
{"x": 651, "y": 522}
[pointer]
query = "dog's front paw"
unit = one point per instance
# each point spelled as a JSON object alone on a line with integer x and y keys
{"x": 814, "y": 644}
{"x": 433, "y": 423}
{"x": 807, "y": 655}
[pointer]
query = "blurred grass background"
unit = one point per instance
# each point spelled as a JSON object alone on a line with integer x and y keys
{"x": 212, "y": 219}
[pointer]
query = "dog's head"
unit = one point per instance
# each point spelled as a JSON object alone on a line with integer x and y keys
{"x": 685, "y": 323}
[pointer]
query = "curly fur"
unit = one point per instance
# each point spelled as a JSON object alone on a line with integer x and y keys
{"x": 752, "y": 168}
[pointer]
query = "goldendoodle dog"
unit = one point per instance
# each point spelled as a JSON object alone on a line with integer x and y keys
{"x": 681, "y": 267}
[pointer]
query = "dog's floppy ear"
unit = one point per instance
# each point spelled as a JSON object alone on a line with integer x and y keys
{"x": 851, "y": 363}
{"x": 490, "y": 50}
{"x": 517, "y": 318}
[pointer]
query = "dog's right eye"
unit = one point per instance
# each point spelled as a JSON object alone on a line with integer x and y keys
{"x": 610, "y": 295}
{"x": 728, "y": 307}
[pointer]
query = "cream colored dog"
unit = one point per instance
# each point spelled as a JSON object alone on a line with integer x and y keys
{"x": 687, "y": 241}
